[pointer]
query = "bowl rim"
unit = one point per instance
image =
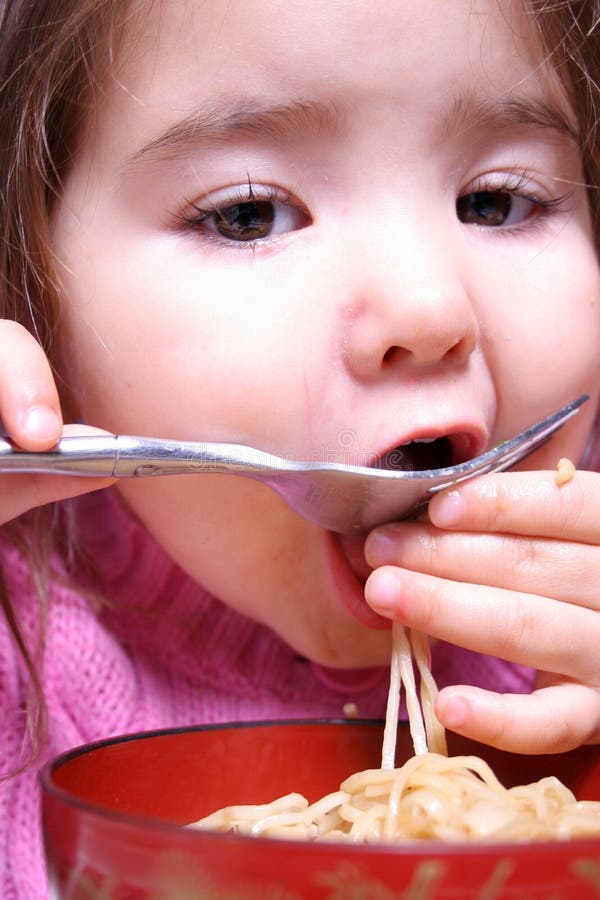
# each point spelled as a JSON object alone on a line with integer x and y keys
{"x": 423, "y": 848}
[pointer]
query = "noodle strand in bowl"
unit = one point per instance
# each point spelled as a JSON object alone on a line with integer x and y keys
{"x": 431, "y": 797}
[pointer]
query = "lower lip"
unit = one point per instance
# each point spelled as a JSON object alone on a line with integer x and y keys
{"x": 351, "y": 588}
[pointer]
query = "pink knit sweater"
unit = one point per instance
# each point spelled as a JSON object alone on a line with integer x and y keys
{"x": 164, "y": 653}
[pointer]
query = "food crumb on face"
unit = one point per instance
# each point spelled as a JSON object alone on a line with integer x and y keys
{"x": 564, "y": 471}
{"x": 350, "y": 710}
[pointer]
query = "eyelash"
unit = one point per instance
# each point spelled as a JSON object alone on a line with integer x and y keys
{"x": 240, "y": 195}
{"x": 519, "y": 185}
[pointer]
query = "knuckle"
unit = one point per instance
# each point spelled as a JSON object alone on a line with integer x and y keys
{"x": 525, "y": 557}
{"x": 498, "y": 725}
{"x": 513, "y": 626}
{"x": 490, "y": 504}
{"x": 592, "y": 730}
{"x": 427, "y": 607}
{"x": 36, "y": 388}
{"x": 567, "y": 713}
{"x": 431, "y": 547}
{"x": 561, "y": 734}
{"x": 573, "y": 506}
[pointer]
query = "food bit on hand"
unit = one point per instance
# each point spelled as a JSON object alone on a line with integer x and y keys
{"x": 350, "y": 710}
{"x": 564, "y": 471}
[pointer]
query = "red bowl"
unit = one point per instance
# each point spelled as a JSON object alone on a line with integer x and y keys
{"x": 112, "y": 813}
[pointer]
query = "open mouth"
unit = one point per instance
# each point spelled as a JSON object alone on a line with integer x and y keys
{"x": 436, "y": 452}
{"x": 419, "y": 455}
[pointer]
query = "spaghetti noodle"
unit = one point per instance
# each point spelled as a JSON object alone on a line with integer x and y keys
{"x": 431, "y": 796}
{"x": 565, "y": 471}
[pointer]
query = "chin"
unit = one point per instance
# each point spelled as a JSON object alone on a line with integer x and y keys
{"x": 367, "y": 649}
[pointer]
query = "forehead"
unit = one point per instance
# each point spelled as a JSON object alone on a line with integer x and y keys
{"x": 182, "y": 54}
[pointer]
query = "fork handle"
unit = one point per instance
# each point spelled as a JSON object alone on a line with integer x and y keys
{"x": 125, "y": 456}
{"x": 93, "y": 455}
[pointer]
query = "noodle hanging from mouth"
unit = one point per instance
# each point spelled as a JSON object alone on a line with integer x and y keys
{"x": 430, "y": 797}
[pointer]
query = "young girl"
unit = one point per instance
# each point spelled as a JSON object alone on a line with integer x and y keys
{"x": 326, "y": 230}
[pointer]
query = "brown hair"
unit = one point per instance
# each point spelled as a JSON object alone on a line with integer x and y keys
{"x": 570, "y": 35}
{"x": 54, "y": 58}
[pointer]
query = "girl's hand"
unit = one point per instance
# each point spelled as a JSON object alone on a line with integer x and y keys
{"x": 509, "y": 565}
{"x": 30, "y": 414}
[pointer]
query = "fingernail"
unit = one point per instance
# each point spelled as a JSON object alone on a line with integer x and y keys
{"x": 382, "y": 590}
{"x": 456, "y": 712}
{"x": 41, "y": 422}
{"x": 381, "y": 546}
{"x": 447, "y": 509}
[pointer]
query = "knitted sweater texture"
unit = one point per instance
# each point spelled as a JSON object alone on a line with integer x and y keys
{"x": 162, "y": 652}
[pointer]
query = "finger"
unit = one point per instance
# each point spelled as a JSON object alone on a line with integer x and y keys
{"x": 29, "y": 404}
{"x": 529, "y": 503}
{"x": 21, "y": 493}
{"x": 550, "y": 720}
{"x": 522, "y": 628}
{"x": 564, "y": 570}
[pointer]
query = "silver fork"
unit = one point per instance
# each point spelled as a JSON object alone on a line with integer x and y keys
{"x": 337, "y": 496}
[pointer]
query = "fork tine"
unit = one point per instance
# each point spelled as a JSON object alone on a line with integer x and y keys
{"x": 506, "y": 454}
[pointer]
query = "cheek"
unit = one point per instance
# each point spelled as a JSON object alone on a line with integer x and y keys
{"x": 170, "y": 348}
{"x": 543, "y": 334}
{"x": 208, "y": 525}
{"x": 166, "y": 368}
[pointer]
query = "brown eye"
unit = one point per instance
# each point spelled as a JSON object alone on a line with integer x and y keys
{"x": 247, "y": 221}
{"x": 494, "y": 209}
{"x": 491, "y": 208}
{"x": 240, "y": 218}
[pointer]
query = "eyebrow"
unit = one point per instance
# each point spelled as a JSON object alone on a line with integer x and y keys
{"x": 469, "y": 111}
{"x": 249, "y": 118}
{"x": 244, "y": 118}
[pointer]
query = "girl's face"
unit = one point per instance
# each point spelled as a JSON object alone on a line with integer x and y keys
{"x": 323, "y": 230}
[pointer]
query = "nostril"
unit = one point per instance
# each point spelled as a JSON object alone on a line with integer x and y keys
{"x": 463, "y": 347}
{"x": 456, "y": 350}
{"x": 391, "y": 354}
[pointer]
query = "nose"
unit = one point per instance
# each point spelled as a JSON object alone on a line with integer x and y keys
{"x": 410, "y": 304}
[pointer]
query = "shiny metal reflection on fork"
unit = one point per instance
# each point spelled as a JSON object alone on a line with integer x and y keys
{"x": 336, "y": 496}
